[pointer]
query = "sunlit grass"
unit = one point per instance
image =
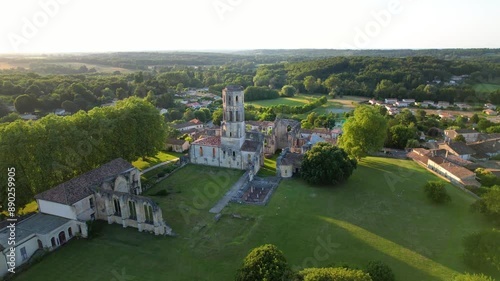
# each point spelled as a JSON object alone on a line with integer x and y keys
{"x": 162, "y": 156}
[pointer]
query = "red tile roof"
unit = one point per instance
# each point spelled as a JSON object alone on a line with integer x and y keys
{"x": 208, "y": 141}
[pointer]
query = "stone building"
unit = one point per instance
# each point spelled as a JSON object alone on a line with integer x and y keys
{"x": 111, "y": 193}
{"x": 234, "y": 147}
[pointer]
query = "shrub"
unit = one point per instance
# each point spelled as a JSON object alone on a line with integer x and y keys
{"x": 162, "y": 192}
{"x": 266, "y": 262}
{"x": 472, "y": 277}
{"x": 379, "y": 271}
{"x": 323, "y": 274}
{"x": 436, "y": 192}
{"x": 482, "y": 250}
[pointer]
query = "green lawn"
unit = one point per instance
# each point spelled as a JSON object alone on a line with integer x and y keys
{"x": 379, "y": 214}
{"x": 296, "y": 100}
{"x": 162, "y": 156}
{"x": 486, "y": 87}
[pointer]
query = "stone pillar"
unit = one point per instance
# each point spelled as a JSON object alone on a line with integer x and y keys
{"x": 125, "y": 211}
{"x": 108, "y": 201}
{"x": 141, "y": 215}
{"x": 85, "y": 230}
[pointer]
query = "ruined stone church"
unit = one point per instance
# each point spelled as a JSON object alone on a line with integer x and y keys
{"x": 233, "y": 147}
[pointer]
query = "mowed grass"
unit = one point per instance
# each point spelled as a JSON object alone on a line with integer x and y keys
{"x": 291, "y": 101}
{"x": 486, "y": 87}
{"x": 381, "y": 213}
{"x": 162, "y": 156}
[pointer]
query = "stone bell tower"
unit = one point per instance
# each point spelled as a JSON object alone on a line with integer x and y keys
{"x": 233, "y": 122}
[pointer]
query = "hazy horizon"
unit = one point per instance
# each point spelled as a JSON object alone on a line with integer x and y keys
{"x": 68, "y": 26}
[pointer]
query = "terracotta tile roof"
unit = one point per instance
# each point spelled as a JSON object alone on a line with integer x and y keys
{"x": 458, "y": 171}
{"x": 417, "y": 157}
{"x": 80, "y": 187}
{"x": 208, "y": 141}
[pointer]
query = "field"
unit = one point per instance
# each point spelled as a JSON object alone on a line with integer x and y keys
{"x": 159, "y": 158}
{"x": 486, "y": 87}
{"x": 333, "y": 105}
{"x": 379, "y": 214}
{"x": 293, "y": 101}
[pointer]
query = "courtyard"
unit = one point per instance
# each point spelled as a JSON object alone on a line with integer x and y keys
{"x": 381, "y": 213}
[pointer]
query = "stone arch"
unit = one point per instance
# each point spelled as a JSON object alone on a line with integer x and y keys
{"x": 121, "y": 184}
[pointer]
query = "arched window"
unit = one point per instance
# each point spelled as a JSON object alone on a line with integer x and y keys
{"x": 148, "y": 210}
{"x": 236, "y": 98}
{"x": 133, "y": 212}
{"x": 70, "y": 232}
{"x": 234, "y": 154}
{"x": 40, "y": 244}
{"x": 213, "y": 152}
{"x": 201, "y": 151}
{"x": 118, "y": 209}
{"x": 53, "y": 241}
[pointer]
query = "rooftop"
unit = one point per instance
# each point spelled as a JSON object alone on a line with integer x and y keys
{"x": 36, "y": 224}
{"x": 80, "y": 187}
{"x": 208, "y": 141}
{"x": 250, "y": 145}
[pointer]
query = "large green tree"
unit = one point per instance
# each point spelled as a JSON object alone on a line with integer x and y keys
{"x": 489, "y": 204}
{"x": 364, "y": 132}
{"x": 25, "y": 103}
{"x": 472, "y": 277}
{"x": 482, "y": 250}
{"x": 326, "y": 164}
{"x": 266, "y": 262}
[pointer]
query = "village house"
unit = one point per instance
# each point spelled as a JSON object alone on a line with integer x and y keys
{"x": 452, "y": 170}
{"x": 468, "y": 134}
{"x": 490, "y": 112}
{"x": 288, "y": 164}
{"x": 176, "y": 145}
{"x": 458, "y": 148}
{"x": 402, "y": 104}
{"x": 427, "y": 103}
{"x": 442, "y": 104}
{"x": 490, "y": 106}
{"x": 486, "y": 149}
{"x": 192, "y": 124}
{"x": 409, "y": 101}
{"x": 391, "y": 101}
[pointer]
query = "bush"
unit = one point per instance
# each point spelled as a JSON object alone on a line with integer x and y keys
{"x": 436, "y": 192}
{"x": 482, "y": 250}
{"x": 473, "y": 277}
{"x": 162, "y": 192}
{"x": 266, "y": 262}
{"x": 379, "y": 271}
{"x": 327, "y": 274}
{"x": 489, "y": 204}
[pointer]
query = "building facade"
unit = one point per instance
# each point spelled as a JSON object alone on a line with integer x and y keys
{"x": 234, "y": 148}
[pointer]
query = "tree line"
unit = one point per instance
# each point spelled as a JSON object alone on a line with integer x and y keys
{"x": 55, "y": 149}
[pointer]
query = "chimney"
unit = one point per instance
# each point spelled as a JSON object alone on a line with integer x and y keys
{"x": 446, "y": 156}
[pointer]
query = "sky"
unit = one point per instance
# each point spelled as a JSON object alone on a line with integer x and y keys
{"x": 52, "y": 26}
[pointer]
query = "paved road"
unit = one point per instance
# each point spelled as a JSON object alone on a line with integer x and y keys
{"x": 230, "y": 194}
{"x": 158, "y": 165}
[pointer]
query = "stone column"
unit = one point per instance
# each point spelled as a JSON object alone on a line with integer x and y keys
{"x": 125, "y": 211}
{"x": 108, "y": 201}
{"x": 141, "y": 216}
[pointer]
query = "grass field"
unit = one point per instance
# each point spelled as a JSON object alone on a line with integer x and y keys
{"x": 293, "y": 101}
{"x": 485, "y": 87}
{"x": 162, "y": 156}
{"x": 379, "y": 214}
